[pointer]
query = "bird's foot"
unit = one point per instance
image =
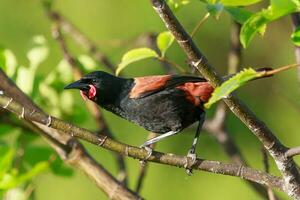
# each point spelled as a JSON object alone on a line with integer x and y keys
{"x": 190, "y": 161}
{"x": 149, "y": 151}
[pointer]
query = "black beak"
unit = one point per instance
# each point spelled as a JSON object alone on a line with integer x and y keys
{"x": 78, "y": 85}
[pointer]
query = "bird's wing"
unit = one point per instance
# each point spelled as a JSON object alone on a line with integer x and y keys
{"x": 145, "y": 86}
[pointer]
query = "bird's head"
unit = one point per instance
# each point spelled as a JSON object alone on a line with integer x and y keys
{"x": 92, "y": 84}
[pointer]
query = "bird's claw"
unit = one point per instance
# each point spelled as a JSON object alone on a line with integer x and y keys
{"x": 190, "y": 161}
{"x": 149, "y": 151}
{"x": 192, "y": 155}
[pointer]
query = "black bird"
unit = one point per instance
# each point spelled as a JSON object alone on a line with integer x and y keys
{"x": 164, "y": 104}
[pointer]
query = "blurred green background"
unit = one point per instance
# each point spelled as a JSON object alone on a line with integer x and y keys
{"x": 114, "y": 25}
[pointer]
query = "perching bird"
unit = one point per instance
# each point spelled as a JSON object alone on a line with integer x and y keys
{"x": 164, "y": 104}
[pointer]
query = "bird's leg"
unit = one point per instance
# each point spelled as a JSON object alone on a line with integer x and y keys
{"x": 192, "y": 152}
{"x": 147, "y": 144}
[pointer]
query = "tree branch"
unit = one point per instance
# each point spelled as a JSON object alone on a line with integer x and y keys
{"x": 79, "y": 37}
{"x": 68, "y": 148}
{"x": 271, "y": 195}
{"x": 93, "y": 108}
{"x": 216, "y": 126}
{"x": 200, "y": 23}
{"x": 139, "y": 153}
{"x": 235, "y": 52}
{"x": 292, "y": 152}
{"x": 277, "y": 150}
{"x": 144, "y": 167}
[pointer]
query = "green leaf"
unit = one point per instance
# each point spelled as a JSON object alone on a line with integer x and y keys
{"x": 48, "y": 4}
{"x": 6, "y": 159}
{"x": 284, "y": 7}
{"x": 15, "y": 194}
{"x": 257, "y": 22}
{"x": 8, "y": 61}
{"x": 11, "y": 62}
{"x": 25, "y": 79}
{"x": 240, "y": 15}
{"x": 66, "y": 102}
{"x": 164, "y": 41}
{"x": 232, "y": 84}
{"x": 176, "y": 5}
{"x": 26, "y": 137}
{"x": 51, "y": 97}
{"x": 64, "y": 72}
{"x": 36, "y": 154}
{"x": 38, "y": 53}
{"x": 59, "y": 168}
{"x": 88, "y": 62}
{"x": 296, "y": 36}
{"x": 231, "y": 2}
{"x": 7, "y": 181}
{"x": 215, "y": 9}
{"x": 2, "y": 59}
{"x": 135, "y": 55}
{"x": 11, "y": 180}
{"x": 26, "y": 75}
{"x": 37, "y": 169}
{"x": 238, "y": 2}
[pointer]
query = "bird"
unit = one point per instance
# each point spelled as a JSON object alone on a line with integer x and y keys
{"x": 163, "y": 104}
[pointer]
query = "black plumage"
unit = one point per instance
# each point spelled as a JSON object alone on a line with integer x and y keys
{"x": 162, "y": 104}
{"x": 161, "y": 110}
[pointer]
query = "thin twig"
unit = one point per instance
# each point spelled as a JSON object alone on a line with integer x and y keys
{"x": 144, "y": 167}
{"x": 79, "y": 37}
{"x": 235, "y": 52}
{"x": 140, "y": 153}
{"x": 150, "y": 40}
{"x": 28, "y": 191}
{"x": 200, "y": 23}
{"x": 276, "y": 149}
{"x": 292, "y": 152}
{"x": 170, "y": 62}
{"x": 277, "y": 70}
{"x": 265, "y": 160}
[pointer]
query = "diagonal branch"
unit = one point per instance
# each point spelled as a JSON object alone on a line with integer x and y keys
{"x": 216, "y": 126}
{"x": 139, "y": 153}
{"x": 79, "y": 37}
{"x": 235, "y": 52}
{"x": 277, "y": 150}
{"x": 69, "y": 149}
{"x": 93, "y": 108}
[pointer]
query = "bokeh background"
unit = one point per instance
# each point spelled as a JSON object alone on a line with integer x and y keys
{"x": 114, "y": 25}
